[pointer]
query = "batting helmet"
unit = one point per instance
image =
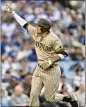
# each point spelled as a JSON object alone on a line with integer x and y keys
{"x": 45, "y": 24}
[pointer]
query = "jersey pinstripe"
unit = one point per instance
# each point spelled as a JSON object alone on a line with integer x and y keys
{"x": 47, "y": 46}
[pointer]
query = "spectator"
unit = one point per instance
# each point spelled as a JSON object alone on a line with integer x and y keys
{"x": 64, "y": 89}
{"x": 24, "y": 52}
{"x": 3, "y": 99}
{"x": 25, "y": 66}
{"x": 8, "y": 28}
{"x": 5, "y": 42}
{"x": 77, "y": 54}
{"x": 33, "y": 56}
{"x": 27, "y": 84}
{"x": 77, "y": 80}
{"x": 61, "y": 85}
{"x": 18, "y": 98}
{"x": 13, "y": 79}
{"x": 82, "y": 37}
{"x": 81, "y": 95}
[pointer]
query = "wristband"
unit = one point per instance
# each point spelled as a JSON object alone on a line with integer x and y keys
{"x": 13, "y": 12}
{"x": 61, "y": 56}
{"x": 50, "y": 62}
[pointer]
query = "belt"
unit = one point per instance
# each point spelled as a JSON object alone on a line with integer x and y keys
{"x": 52, "y": 66}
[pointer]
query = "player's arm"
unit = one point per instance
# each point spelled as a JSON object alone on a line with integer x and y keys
{"x": 60, "y": 53}
{"x": 59, "y": 50}
{"x": 48, "y": 63}
{"x": 20, "y": 20}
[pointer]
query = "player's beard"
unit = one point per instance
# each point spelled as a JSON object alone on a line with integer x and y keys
{"x": 40, "y": 33}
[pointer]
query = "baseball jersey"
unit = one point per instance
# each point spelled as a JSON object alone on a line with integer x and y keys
{"x": 46, "y": 46}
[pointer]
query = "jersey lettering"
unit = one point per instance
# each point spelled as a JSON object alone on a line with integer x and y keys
{"x": 43, "y": 46}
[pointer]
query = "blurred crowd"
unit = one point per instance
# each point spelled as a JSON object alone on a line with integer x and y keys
{"x": 18, "y": 56}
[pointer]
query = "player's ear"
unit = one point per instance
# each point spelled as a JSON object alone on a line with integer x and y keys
{"x": 43, "y": 29}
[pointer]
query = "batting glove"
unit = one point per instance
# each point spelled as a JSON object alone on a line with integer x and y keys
{"x": 45, "y": 64}
{"x": 9, "y": 8}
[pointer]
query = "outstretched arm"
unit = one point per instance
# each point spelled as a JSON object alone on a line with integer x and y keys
{"x": 30, "y": 29}
{"x": 20, "y": 20}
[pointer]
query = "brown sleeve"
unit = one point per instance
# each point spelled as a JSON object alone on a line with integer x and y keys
{"x": 57, "y": 45}
{"x": 58, "y": 48}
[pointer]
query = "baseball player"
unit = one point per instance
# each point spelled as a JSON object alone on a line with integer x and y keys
{"x": 49, "y": 50}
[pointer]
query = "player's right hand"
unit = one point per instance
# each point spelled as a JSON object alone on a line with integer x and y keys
{"x": 9, "y": 8}
{"x": 45, "y": 64}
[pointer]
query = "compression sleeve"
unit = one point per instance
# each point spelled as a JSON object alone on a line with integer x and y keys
{"x": 20, "y": 20}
